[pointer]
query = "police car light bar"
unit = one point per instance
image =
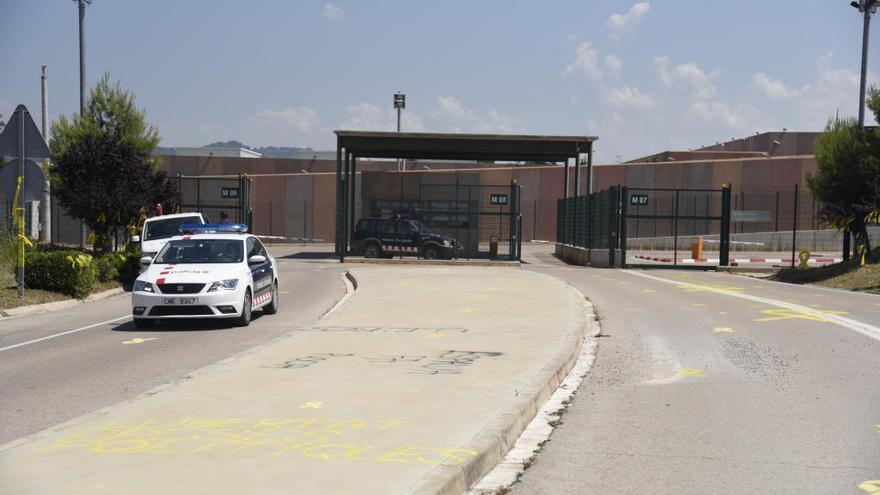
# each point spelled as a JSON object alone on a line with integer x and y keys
{"x": 213, "y": 228}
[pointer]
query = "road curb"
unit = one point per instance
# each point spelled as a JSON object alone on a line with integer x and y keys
{"x": 351, "y": 285}
{"x": 57, "y": 305}
{"x": 392, "y": 261}
{"x": 500, "y": 434}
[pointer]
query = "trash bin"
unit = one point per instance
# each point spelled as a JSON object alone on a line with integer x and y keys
{"x": 493, "y": 246}
{"x": 697, "y": 249}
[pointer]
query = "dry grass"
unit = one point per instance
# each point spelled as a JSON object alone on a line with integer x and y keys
{"x": 849, "y": 275}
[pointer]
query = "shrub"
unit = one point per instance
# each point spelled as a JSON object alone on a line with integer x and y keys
{"x": 70, "y": 272}
{"x": 129, "y": 270}
{"x": 108, "y": 266}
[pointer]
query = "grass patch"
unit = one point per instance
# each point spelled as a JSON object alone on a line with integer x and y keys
{"x": 9, "y": 294}
{"x": 846, "y": 275}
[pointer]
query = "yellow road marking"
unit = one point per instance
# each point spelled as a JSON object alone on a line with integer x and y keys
{"x": 878, "y": 428}
{"x": 467, "y": 310}
{"x": 481, "y": 297}
{"x": 692, "y": 372}
{"x": 699, "y": 304}
{"x": 723, "y": 330}
{"x": 870, "y": 486}
{"x": 648, "y": 290}
{"x": 138, "y": 340}
{"x": 709, "y": 287}
{"x": 436, "y": 335}
{"x": 312, "y": 405}
{"x": 722, "y": 312}
{"x": 789, "y": 314}
{"x": 284, "y": 292}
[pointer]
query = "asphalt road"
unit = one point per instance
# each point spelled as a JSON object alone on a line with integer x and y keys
{"x": 718, "y": 383}
{"x": 107, "y": 360}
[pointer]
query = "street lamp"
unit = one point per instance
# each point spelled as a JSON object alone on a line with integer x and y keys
{"x": 866, "y": 7}
{"x": 399, "y": 104}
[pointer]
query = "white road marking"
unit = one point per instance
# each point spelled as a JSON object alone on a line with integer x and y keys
{"x": 63, "y": 333}
{"x": 856, "y": 326}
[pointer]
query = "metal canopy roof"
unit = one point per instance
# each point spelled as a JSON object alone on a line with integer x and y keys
{"x": 486, "y": 147}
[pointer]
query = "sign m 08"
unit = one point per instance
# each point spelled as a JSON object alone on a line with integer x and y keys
{"x": 229, "y": 192}
{"x": 498, "y": 199}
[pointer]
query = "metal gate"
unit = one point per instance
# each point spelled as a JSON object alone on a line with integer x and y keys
{"x": 648, "y": 228}
{"x": 212, "y": 196}
{"x": 674, "y": 228}
{"x": 486, "y": 219}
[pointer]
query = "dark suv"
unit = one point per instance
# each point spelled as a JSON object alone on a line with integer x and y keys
{"x": 375, "y": 237}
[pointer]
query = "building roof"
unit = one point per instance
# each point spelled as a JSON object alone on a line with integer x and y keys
{"x": 439, "y": 146}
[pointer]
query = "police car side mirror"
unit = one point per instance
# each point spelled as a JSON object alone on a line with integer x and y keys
{"x": 135, "y": 238}
{"x": 146, "y": 260}
{"x": 257, "y": 258}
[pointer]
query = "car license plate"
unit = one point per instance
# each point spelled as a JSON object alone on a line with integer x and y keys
{"x": 180, "y": 300}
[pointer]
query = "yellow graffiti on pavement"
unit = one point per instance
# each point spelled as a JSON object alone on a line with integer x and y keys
{"x": 789, "y": 314}
{"x": 649, "y": 290}
{"x": 878, "y": 428}
{"x": 723, "y": 330}
{"x": 481, "y": 297}
{"x": 312, "y": 438}
{"x": 692, "y": 372}
{"x": 312, "y": 405}
{"x": 138, "y": 340}
{"x": 709, "y": 287}
{"x": 467, "y": 310}
{"x": 437, "y": 335}
{"x": 699, "y": 304}
{"x": 870, "y": 486}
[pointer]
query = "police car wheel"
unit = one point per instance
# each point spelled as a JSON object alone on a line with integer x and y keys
{"x": 143, "y": 323}
{"x": 372, "y": 251}
{"x": 272, "y": 307}
{"x": 245, "y": 318}
{"x": 431, "y": 253}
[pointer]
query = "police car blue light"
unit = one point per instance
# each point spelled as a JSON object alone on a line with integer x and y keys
{"x": 213, "y": 228}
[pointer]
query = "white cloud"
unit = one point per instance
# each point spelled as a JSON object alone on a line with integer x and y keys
{"x": 619, "y": 24}
{"x": 686, "y": 77}
{"x": 451, "y": 115}
{"x": 613, "y": 64}
{"x": 369, "y": 117}
{"x": 774, "y": 88}
{"x": 302, "y": 119}
{"x": 333, "y": 11}
{"x": 626, "y": 96}
{"x": 586, "y": 61}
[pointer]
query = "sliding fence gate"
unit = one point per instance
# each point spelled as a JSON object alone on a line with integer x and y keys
{"x": 649, "y": 228}
{"x": 212, "y": 196}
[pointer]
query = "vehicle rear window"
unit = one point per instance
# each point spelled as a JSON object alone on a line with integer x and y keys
{"x": 163, "y": 229}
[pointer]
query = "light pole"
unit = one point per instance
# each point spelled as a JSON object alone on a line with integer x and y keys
{"x": 399, "y": 104}
{"x": 45, "y": 208}
{"x": 82, "y": 85}
{"x": 866, "y": 7}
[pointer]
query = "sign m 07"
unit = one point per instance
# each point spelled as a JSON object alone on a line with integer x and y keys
{"x": 638, "y": 199}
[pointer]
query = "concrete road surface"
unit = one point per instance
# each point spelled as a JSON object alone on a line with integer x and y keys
{"x": 717, "y": 383}
{"x": 106, "y": 359}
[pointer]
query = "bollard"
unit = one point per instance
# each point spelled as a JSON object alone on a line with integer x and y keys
{"x": 697, "y": 249}
{"x": 493, "y": 246}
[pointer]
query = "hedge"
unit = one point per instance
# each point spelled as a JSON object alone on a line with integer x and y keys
{"x": 108, "y": 266}
{"x": 70, "y": 272}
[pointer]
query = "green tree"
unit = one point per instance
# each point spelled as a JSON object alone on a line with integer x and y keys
{"x": 847, "y": 180}
{"x": 103, "y": 169}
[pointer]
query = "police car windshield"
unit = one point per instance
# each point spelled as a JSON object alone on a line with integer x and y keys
{"x": 202, "y": 251}
{"x": 163, "y": 229}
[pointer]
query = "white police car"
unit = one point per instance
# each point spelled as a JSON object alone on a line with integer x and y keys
{"x": 211, "y": 271}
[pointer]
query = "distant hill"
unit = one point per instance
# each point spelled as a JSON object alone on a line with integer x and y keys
{"x": 266, "y": 151}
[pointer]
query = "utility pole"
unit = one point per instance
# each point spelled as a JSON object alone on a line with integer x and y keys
{"x": 866, "y": 7}
{"x": 46, "y": 209}
{"x": 82, "y": 85}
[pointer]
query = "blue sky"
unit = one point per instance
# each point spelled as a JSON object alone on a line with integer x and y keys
{"x": 643, "y": 76}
